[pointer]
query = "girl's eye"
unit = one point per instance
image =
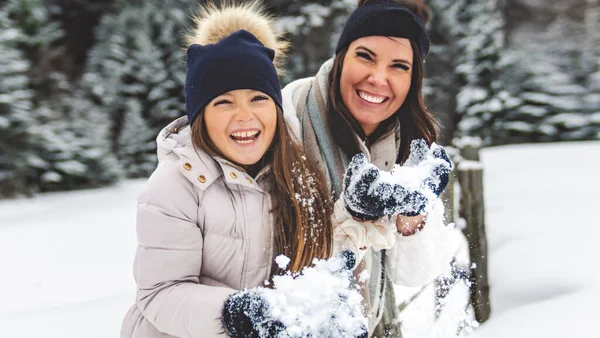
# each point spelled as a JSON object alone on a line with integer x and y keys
{"x": 259, "y": 98}
{"x": 220, "y": 102}
{"x": 364, "y": 55}
{"x": 401, "y": 66}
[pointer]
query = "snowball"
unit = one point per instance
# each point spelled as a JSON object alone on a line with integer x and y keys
{"x": 282, "y": 261}
{"x": 319, "y": 302}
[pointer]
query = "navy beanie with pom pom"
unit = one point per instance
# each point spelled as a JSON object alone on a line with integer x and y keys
{"x": 238, "y": 61}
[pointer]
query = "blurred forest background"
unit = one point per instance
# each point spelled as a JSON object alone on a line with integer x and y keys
{"x": 85, "y": 85}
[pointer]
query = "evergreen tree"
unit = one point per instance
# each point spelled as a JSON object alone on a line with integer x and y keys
{"x": 67, "y": 155}
{"x": 440, "y": 79}
{"x": 139, "y": 62}
{"x": 592, "y": 99}
{"x": 136, "y": 144}
{"x": 546, "y": 74}
{"x": 547, "y": 104}
{"x": 482, "y": 97}
{"x": 313, "y": 28}
{"x": 73, "y": 144}
{"x": 548, "y": 83}
{"x": 37, "y": 33}
{"x": 15, "y": 104}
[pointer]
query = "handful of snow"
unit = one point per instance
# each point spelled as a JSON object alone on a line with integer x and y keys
{"x": 406, "y": 189}
{"x": 319, "y": 302}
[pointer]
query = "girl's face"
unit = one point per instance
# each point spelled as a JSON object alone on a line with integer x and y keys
{"x": 375, "y": 79}
{"x": 241, "y": 124}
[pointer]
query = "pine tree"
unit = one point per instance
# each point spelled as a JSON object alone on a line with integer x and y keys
{"x": 593, "y": 102}
{"x": 139, "y": 62}
{"x": 545, "y": 76}
{"x": 67, "y": 155}
{"x": 592, "y": 99}
{"x": 548, "y": 84}
{"x": 37, "y": 33}
{"x": 548, "y": 104}
{"x": 440, "y": 79}
{"x": 74, "y": 145}
{"x": 313, "y": 28}
{"x": 136, "y": 144}
{"x": 482, "y": 97}
{"x": 15, "y": 104}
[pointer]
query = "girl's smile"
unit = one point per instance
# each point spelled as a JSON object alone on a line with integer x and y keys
{"x": 245, "y": 137}
{"x": 241, "y": 124}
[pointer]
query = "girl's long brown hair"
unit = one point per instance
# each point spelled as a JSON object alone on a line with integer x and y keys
{"x": 301, "y": 204}
{"x": 414, "y": 119}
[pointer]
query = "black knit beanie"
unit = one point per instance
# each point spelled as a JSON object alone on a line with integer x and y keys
{"x": 238, "y": 61}
{"x": 384, "y": 18}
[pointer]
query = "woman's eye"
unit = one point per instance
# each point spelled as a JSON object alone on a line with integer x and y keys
{"x": 221, "y": 102}
{"x": 364, "y": 55}
{"x": 259, "y": 98}
{"x": 401, "y": 66}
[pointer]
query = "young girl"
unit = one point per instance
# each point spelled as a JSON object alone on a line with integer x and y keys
{"x": 231, "y": 190}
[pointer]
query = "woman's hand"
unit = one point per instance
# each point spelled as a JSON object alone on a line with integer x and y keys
{"x": 369, "y": 198}
{"x": 410, "y": 225}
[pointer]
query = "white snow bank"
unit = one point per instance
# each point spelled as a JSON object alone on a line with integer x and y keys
{"x": 543, "y": 227}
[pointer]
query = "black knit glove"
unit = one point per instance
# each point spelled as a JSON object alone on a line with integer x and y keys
{"x": 440, "y": 175}
{"x": 246, "y": 314}
{"x": 368, "y": 199}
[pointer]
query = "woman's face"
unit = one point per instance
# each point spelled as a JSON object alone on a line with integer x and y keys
{"x": 241, "y": 124}
{"x": 375, "y": 79}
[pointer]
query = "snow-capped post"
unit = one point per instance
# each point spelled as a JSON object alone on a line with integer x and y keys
{"x": 450, "y": 203}
{"x": 470, "y": 178}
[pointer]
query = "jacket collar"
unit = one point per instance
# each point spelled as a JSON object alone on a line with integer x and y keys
{"x": 199, "y": 167}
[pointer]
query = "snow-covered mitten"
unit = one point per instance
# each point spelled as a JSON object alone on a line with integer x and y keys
{"x": 368, "y": 197}
{"x": 424, "y": 175}
{"x": 423, "y": 156}
{"x": 246, "y": 315}
{"x": 343, "y": 262}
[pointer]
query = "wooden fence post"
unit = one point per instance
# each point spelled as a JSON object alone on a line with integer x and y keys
{"x": 470, "y": 177}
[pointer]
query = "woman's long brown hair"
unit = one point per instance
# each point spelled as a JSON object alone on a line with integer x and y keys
{"x": 301, "y": 204}
{"x": 414, "y": 119}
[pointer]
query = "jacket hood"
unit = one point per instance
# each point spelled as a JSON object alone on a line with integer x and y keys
{"x": 175, "y": 138}
{"x": 215, "y": 22}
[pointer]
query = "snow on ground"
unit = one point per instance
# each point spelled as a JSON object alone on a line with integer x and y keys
{"x": 66, "y": 258}
{"x": 543, "y": 227}
{"x": 66, "y": 263}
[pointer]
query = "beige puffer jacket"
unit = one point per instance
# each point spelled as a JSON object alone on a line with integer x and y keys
{"x": 204, "y": 231}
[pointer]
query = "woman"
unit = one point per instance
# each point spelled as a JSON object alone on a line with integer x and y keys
{"x": 367, "y": 99}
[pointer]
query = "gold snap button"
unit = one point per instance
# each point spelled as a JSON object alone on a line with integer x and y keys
{"x": 201, "y": 179}
{"x": 233, "y": 175}
{"x": 187, "y": 166}
{"x": 249, "y": 180}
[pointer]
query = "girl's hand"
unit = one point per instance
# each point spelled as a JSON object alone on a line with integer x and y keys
{"x": 247, "y": 314}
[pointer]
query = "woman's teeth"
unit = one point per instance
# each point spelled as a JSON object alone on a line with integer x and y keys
{"x": 371, "y": 98}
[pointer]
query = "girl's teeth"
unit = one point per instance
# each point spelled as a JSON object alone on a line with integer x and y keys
{"x": 370, "y": 98}
{"x": 245, "y": 133}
